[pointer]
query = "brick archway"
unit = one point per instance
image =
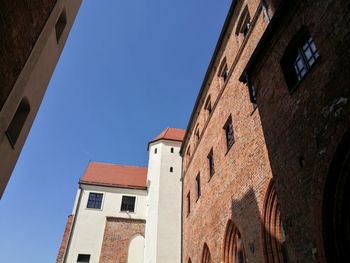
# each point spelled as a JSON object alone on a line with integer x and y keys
{"x": 336, "y": 205}
{"x": 206, "y": 258}
{"x": 233, "y": 245}
{"x": 273, "y": 232}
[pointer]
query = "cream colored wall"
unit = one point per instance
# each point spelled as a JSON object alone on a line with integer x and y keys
{"x": 32, "y": 83}
{"x": 137, "y": 244}
{"x": 163, "y": 222}
{"x": 90, "y": 223}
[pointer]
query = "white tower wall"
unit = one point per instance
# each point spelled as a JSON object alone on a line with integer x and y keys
{"x": 163, "y": 220}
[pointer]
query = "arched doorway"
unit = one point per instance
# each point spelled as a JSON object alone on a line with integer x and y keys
{"x": 336, "y": 205}
{"x": 233, "y": 245}
{"x": 136, "y": 249}
{"x": 274, "y": 235}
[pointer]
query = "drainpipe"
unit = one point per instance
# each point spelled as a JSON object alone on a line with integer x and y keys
{"x": 182, "y": 190}
{"x": 73, "y": 225}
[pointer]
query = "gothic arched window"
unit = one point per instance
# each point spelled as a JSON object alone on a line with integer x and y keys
{"x": 233, "y": 245}
{"x": 206, "y": 254}
{"x": 274, "y": 235}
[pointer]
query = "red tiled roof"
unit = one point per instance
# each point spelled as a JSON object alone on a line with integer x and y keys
{"x": 170, "y": 134}
{"x": 107, "y": 174}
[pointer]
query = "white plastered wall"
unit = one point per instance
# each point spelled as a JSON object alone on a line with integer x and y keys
{"x": 163, "y": 221}
{"x": 88, "y": 232}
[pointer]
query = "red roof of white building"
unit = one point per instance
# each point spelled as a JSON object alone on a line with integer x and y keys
{"x": 107, "y": 174}
{"x": 170, "y": 134}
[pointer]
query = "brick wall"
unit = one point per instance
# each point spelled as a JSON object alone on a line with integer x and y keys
{"x": 20, "y": 25}
{"x": 64, "y": 242}
{"x": 242, "y": 174}
{"x": 118, "y": 232}
{"x": 307, "y": 124}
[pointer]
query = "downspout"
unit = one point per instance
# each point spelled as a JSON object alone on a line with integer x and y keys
{"x": 182, "y": 190}
{"x": 73, "y": 225}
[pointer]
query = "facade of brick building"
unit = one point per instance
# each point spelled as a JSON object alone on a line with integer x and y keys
{"x": 305, "y": 119}
{"x": 33, "y": 34}
{"x": 266, "y": 152}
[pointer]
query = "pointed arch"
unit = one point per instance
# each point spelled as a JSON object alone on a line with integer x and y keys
{"x": 336, "y": 203}
{"x": 233, "y": 245}
{"x": 274, "y": 235}
{"x": 206, "y": 258}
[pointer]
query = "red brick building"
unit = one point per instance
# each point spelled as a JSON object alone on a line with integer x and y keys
{"x": 266, "y": 153}
{"x": 33, "y": 34}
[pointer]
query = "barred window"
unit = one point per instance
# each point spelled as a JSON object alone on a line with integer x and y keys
{"x": 128, "y": 203}
{"x": 211, "y": 163}
{"x": 95, "y": 201}
{"x": 230, "y": 139}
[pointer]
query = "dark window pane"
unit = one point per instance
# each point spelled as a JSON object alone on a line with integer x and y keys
{"x": 83, "y": 258}
{"x": 95, "y": 200}
{"x": 128, "y": 203}
{"x": 229, "y": 135}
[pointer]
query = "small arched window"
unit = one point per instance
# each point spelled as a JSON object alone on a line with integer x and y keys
{"x": 206, "y": 258}
{"x": 172, "y": 149}
{"x": 233, "y": 245}
{"x": 274, "y": 235}
{"x": 14, "y": 129}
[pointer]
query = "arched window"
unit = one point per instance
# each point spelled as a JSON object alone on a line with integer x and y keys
{"x": 336, "y": 203}
{"x": 274, "y": 235}
{"x": 189, "y": 260}
{"x": 14, "y": 129}
{"x": 206, "y": 254}
{"x": 233, "y": 245}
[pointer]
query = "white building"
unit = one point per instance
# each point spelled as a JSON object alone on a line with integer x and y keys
{"x": 128, "y": 214}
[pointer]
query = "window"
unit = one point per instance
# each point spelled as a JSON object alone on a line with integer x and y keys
{"x": 274, "y": 236}
{"x": 206, "y": 258}
{"x": 172, "y": 149}
{"x": 128, "y": 203}
{"x": 223, "y": 70}
{"x": 234, "y": 250}
{"x": 300, "y": 55}
{"x": 83, "y": 258}
{"x": 14, "y": 129}
{"x": 188, "y": 203}
{"x": 208, "y": 107}
{"x": 198, "y": 184}
{"x": 243, "y": 24}
{"x": 95, "y": 201}
{"x": 171, "y": 169}
{"x": 224, "y": 73}
{"x": 188, "y": 152}
{"x": 197, "y": 134}
{"x": 155, "y": 150}
{"x": 211, "y": 163}
{"x": 230, "y": 140}
{"x": 60, "y": 25}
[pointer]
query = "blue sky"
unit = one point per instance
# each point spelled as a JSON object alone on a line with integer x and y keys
{"x": 129, "y": 69}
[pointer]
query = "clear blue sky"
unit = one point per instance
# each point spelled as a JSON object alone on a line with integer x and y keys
{"x": 129, "y": 69}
